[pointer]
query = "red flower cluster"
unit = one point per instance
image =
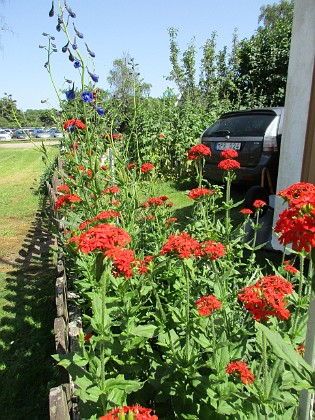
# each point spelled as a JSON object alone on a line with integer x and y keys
{"x": 199, "y": 151}
{"x": 289, "y": 268}
{"x": 296, "y": 224}
{"x": 267, "y": 297}
{"x": 102, "y": 237}
{"x": 184, "y": 246}
{"x": 139, "y": 413}
{"x": 259, "y": 204}
{"x": 240, "y": 369}
{"x": 228, "y": 163}
{"x": 123, "y": 259}
{"x": 229, "y": 154}
{"x": 107, "y": 214}
{"x": 155, "y": 201}
{"x": 207, "y": 304}
{"x": 246, "y": 211}
{"x": 181, "y": 245}
{"x": 143, "y": 265}
{"x": 72, "y": 124}
{"x": 64, "y": 189}
{"x": 199, "y": 193}
{"x": 111, "y": 190}
{"x": 212, "y": 249}
{"x": 170, "y": 220}
{"x": 146, "y": 167}
{"x": 67, "y": 199}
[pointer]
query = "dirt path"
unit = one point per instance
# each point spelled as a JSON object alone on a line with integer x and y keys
{"x": 28, "y": 144}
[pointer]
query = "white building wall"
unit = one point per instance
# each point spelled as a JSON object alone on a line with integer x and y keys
{"x": 299, "y": 84}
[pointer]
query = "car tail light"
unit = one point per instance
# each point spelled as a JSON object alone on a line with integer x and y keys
{"x": 270, "y": 143}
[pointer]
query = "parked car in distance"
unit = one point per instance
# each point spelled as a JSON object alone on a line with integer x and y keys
{"x": 40, "y": 134}
{"x": 54, "y": 132}
{"x": 4, "y": 135}
{"x": 20, "y": 135}
{"x": 256, "y": 135}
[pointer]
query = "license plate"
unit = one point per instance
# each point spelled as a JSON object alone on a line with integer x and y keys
{"x": 228, "y": 145}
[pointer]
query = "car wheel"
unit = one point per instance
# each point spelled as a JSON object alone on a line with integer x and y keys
{"x": 256, "y": 193}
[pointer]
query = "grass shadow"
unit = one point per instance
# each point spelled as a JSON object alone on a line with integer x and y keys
{"x": 26, "y": 332}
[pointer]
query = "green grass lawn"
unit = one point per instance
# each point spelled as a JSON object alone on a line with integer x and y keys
{"x": 27, "y": 277}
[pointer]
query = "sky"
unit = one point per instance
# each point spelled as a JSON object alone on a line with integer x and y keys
{"x": 111, "y": 28}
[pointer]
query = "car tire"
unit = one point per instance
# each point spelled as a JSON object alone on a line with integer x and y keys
{"x": 256, "y": 193}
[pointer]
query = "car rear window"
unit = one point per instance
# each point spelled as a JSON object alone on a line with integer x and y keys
{"x": 253, "y": 125}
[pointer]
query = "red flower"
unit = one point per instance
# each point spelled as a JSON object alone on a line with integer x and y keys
{"x": 170, "y": 220}
{"x": 298, "y": 190}
{"x": 63, "y": 188}
{"x": 229, "y": 164}
{"x": 144, "y": 264}
{"x": 199, "y": 151}
{"x": 123, "y": 260}
{"x": 72, "y": 124}
{"x": 181, "y": 245}
{"x": 290, "y": 268}
{"x": 199, "y": 193}
{"x": 104, "y": 167}
{"x": 111, "y": 190}
{"x": 258, "y": 204}
{"x": 212, "y": 249}
{"x": 246, "y": 211}
{"x": 146, "y": 167}
{"x": 240, "y": 369}
{"x": 267, "y": 297}
{"x": 229, "y": 154}
{"x": 155, "y": 201}
{"x": 102, "y": 238}
{"x": 161, "y": 136}
{"x": 107, "y": 214}
{"x": 67, "y": 199}
{"x": 130, "y": 166}
{"x": 140, "y": 413}
{"x": 88, "y": 336}
{"x": 207, "y": 304}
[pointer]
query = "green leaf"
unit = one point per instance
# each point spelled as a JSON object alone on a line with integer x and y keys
{"x": 147, "y": 331}
{"x": 284, "y": 350}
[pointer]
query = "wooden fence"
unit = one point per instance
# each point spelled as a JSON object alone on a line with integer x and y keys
{"x": 63, "y": 404}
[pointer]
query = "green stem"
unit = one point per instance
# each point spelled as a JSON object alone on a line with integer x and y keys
{"x": 264, "y": 365}
{"x": 187, "y": 311}
{"x": 103, "y": 281}
{"x": 297, "y": 311}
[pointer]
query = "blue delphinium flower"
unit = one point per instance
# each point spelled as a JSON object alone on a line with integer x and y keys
{"x": 93, "y": 76}
{"x": 92, "y": 54}
{"x": 86, "y": 96}
{"x": 70, "y": 94}
{"x": 100, "y": 110}
{"x": 77, "y": 64}
{"x": 52, "y": 10}
{"x": 75, "y": 45}
{"x": 71, "y": 13}
{"x": 79, "y": 34}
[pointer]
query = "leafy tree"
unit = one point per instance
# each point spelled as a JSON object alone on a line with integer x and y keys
{"x": 124, "y": 79}
{"x": 264, "y": 58}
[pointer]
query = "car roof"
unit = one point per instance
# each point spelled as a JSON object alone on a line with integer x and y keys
{"x": 272, "y": 110}
{"x": 279, "y": 111}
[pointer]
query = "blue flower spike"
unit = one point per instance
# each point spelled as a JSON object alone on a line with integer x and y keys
{"x": 77, "y": 64}
{"x": 86, "y": 96}
{"x": 93, "y": 76}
